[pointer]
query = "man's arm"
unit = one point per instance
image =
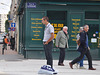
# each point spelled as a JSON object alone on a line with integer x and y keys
{"x": 67, "y": 36}
{"x": 58, "y": 38}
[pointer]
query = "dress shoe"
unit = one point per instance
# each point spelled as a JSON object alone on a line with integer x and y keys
{"x": 61, "y": 64}
{"x": 92, "y": 68}
{"x": 71, "y": 65}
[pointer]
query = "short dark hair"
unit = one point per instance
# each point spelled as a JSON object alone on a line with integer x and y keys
{"x": 46, "y": 18}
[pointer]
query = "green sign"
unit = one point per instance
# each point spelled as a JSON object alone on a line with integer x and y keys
{"x": 76, "y": 22}
{"x": 36, "y": 29}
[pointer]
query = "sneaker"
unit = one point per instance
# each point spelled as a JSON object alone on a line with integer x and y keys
{"x": 47, "y": 69}
{"x": 76, "y": 65}
{"x": 82, "y": 67}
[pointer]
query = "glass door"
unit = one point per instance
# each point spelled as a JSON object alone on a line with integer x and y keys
{"x": 93, "y": 34}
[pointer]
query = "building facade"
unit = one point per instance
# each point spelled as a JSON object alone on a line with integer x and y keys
{"x": 13, "y": 18}
{"x": 3, "y": 18}
{"x": 30, "y": 30}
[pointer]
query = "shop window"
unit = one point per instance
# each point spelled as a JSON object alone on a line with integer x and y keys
{"x": 58, "y": 19}
{"x": 91, "y": 15}
{"x": 56, "y": 15}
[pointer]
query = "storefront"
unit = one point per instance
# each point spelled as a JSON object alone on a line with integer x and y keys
{"x": 61, "y": 13}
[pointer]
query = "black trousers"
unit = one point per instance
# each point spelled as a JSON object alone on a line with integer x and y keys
{"x": 88, "y": 55}
{"x": 62, "y": 55}
{"x": 48, "y": 53}
{"x": 13, "y": 46}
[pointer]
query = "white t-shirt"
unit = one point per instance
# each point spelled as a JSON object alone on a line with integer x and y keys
{"x": 47, "y": 32}
{"x": 78, "y": 37}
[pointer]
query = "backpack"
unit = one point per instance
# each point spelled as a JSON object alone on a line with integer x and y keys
{"x": 78, "y": 39}
{"x": 6, "y": 40}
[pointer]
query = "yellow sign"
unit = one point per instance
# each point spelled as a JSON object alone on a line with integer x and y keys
{"x": 76, "y": 20}
{"x": 57, "y": 28}
{"x": 36, "y": 31}
{"x": 99, "y": 35}
{"x": 35, "y": 27}
{"x": 73, "y": 36}
{"x": 35, "y": 23}
{"x": 74, "y": 39}
{"x": 55, "y": 35}
{"x": 55, "y": 25}
{"x": 75, "y": 23}
{"x": 75, "y": 27}
{"x": 36, "y": 19}
{"x": 75, "y": 30}
{"x": 60, "y": 25}
{"x": 36, "y": 35}
{"x": 36, "y": 39}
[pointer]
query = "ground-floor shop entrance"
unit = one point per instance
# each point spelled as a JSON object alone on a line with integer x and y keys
{"x": 31, "y": 29}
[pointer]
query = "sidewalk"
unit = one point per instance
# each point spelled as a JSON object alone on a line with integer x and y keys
{"x": 9, "y": 54}
{"x": 8, "y": 51}
{"x": 14, "y": 64}
{"x": 32, "y": 66}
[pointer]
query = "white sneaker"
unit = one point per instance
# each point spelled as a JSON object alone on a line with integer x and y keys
{"x": 46, "y": 69}
{"x": 82, "y": 67}
{"x": 76, "y": 65}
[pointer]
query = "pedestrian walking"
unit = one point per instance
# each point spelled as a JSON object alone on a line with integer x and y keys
{"x": 62, "y": 43}
{"x": 80, "y": 62}
{"x": 83, "y": 49}
{"x": 48, "y": 40}
{"x": 12, "y": 41}
{"x": 5, "y": 42}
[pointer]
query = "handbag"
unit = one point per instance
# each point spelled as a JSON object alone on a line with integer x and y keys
{"x": 78, "y": 42}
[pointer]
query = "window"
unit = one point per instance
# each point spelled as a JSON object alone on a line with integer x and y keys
{"x": 56, "y": 15}
{"x": 91, "y": 15}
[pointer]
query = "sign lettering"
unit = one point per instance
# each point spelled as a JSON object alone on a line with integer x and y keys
{"x": 36, "y": 27}
{"x": 75, "y": 28}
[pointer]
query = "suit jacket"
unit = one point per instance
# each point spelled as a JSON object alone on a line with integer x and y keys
{"x": 83, "y": 46}
{"x": 62, "y": 39}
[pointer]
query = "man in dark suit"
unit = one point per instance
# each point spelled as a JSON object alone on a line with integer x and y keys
{"x": 83, "y": 49}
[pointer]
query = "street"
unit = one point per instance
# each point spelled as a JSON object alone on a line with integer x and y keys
{"x": 11, "y": 63}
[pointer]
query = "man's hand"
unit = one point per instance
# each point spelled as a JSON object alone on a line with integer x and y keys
{"x": 50, "y": 39}
{"x": 88, "y": 48}
{"x": 45, "y": 43}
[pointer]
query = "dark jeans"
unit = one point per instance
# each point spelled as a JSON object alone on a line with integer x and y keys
{"x": 62, "y": 55}
{"x": 48, "y": 53}
{"x": 81, "y": 62}
{"x": 4, "y": 47}
{"x": 88, "y": 55}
